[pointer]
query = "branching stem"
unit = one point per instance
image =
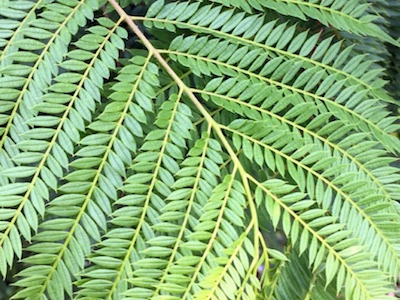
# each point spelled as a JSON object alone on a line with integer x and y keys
{"x": 216, "y": 127}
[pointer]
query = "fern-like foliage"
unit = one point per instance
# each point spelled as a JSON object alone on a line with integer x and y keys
{"x": 207, "y": 150}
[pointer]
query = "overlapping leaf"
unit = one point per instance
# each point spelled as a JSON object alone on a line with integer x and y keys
{"x": 69, "y": 103}
{"x": 28, "y": 64}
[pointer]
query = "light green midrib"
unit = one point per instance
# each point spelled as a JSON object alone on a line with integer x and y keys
{"x": 32, "y": 73}
{"x": 229, "y": 263}
{"x": 187, "y": 214}
{"x": 259, "y": 45}
{"x": 282, "y": 85}
{"x": 88, "y": 197}
{"x": 46, "y": 154}
{"x": 148, "y": 196}
{"x": 20, "y": 27}
{"x": 293, "y": 124}
{"x": 214, "y": 233}
{"x": 329, "y": 183}
{"x": 159, "y": 92}
{"x": 315, "y": 234}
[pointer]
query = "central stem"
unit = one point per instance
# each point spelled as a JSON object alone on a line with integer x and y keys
{"x": 216, "y": 127}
